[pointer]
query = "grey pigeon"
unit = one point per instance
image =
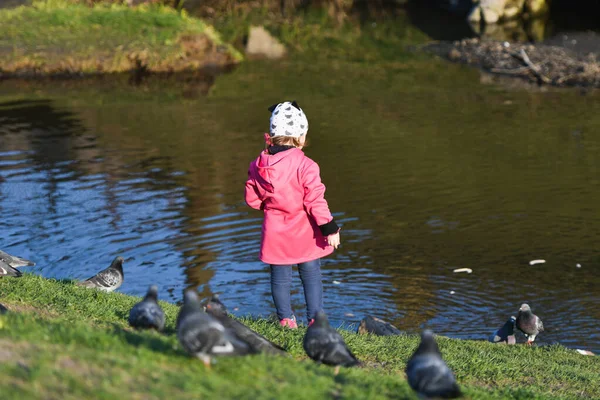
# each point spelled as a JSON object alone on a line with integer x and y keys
{"x": 325, "y": 345}
{"x": 14, "y": 261}
{"x": 3, "y": 309}
{"x": 506, "y": 334}
{"x": 7, "y": 270}
{"x": 529, "y": 323}
{"x": 257, "y": 342}
{"x": 107, "y": 280}
{"x": 428, "y": 374}
{"x": 376, "y": 326}
{"x": 203, "y": 336}
{"x": 147, "y": 314}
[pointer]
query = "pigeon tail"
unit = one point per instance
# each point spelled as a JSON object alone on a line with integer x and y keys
{"x": 7, "y": 270}
{"x": 15, "y": 261}
{"x": 257, "y": 342}
{"x": 452, "y": 393}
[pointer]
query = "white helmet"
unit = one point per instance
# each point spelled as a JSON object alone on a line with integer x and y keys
{"x": 287, "y": 119}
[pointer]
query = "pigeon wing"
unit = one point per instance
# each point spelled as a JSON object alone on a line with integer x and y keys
{"x": 326, "y": 345}
{"x": 7, "y": 270}
{"x": 257, "y": 342}
{"x": 109, "y": 280}
{"x": 230, "y": 345}
{"x": 315, "y": 341}
{"x": 429, "y": 375}
{"x": 15, "y": 261}
{"x": 339, "y": 354}
{"x": 197, "y": 335}
{"x": 495, "y": 338}
{"x": 147, "y": 315}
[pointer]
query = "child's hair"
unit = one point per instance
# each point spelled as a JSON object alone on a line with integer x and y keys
{"x": 286, "y": 141}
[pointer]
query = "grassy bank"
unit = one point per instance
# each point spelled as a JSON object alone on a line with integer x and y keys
{"x": 62, "y": 341}
{"x": 315, "y": 34}
{"x": 58, "y": 37}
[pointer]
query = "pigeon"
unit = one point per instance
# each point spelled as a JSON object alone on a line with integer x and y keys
{"x": 325, "y": 345}
{"x": 428, "y": 374}
{"x": 14, "y": 261}
{"x": 3, "y": 309}
{"x": 108, "y": 279}
{"x": 147, "y": 314}
{"x": 529, "y": 323}
{"x": 202, "y": 335}
{"x": 506, "y": 334}
{"x": 376, "y": 326}
{"x": 257, "y": 342}
{"x": 7, "y": 270}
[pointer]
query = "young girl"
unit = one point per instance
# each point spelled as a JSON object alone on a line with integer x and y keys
{"x": 298, "y": 227}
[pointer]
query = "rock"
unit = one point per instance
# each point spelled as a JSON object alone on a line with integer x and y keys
{"x": 475, "y": 15}
{"x": 493, "y": 11}
{"x": 511, "y": 12}
{"x": 454, "y": 54}
{"x": 377, "y": 326}
{"x": 536, "y": 7}
{"x": 261, "y": 43}
{"x": 490, "y": 16}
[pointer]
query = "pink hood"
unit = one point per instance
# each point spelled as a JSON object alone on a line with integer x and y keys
{"x": 275, "y": 170}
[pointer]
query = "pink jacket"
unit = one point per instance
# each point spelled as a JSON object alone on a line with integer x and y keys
{"x": 288, "y": 188}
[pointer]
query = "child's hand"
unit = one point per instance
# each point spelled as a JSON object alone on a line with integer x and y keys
{"x": 334, "y": 240}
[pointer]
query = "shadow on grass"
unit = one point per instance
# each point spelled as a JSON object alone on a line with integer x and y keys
{"x": 152, "y": 340}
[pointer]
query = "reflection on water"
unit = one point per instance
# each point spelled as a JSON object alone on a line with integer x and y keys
{"x": 426, "y": 169}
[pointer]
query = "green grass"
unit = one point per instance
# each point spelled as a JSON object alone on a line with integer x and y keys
{"x": 61, "y": 341}
{"x": 57, "y": 36}
{"x": 315, "y": 34}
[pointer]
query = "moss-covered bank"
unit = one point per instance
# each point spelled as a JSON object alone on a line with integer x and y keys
{"x": 57, "y": 37}
{"x": 60, "y": 341}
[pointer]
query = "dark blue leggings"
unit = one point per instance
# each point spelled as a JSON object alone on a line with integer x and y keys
{"x": 281, "y": 281}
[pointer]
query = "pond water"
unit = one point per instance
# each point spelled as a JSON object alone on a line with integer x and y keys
{"x": 427, "y": 170}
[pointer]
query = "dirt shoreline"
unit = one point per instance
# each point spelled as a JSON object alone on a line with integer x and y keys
{"x": 537, "y": 63}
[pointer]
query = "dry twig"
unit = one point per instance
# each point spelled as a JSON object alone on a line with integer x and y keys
{"x": 522, "y": 55}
